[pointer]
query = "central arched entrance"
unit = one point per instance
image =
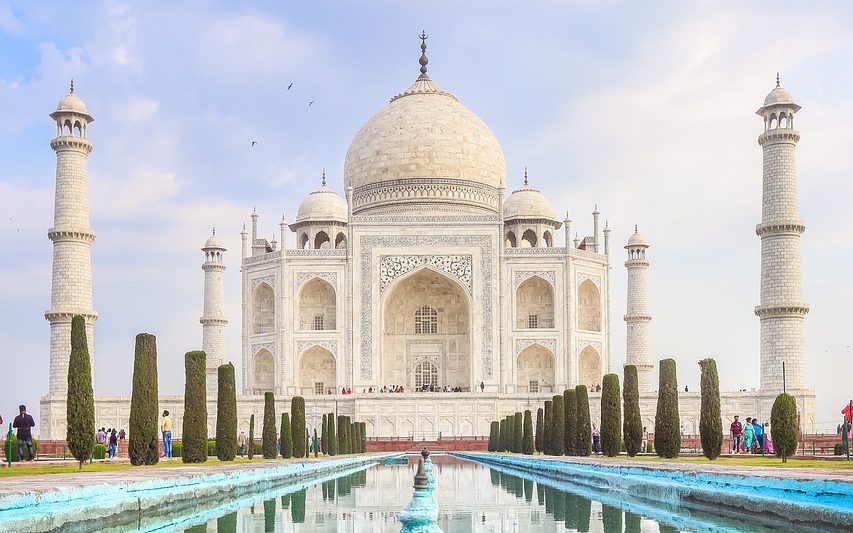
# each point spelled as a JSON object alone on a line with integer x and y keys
{"x": 426, "y": 333}
{"x": 317, "y": 371}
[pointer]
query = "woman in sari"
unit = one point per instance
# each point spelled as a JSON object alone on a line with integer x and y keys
{"x": 748, "y": 435}
{"x": 768, "y": 444}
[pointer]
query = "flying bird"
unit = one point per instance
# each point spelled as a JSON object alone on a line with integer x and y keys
{"x": 289, "y": 86}
{"x": 311, "y": 102}
{"x": 254, "y": 143}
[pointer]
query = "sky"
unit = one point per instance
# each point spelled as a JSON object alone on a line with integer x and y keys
{"x": 645, "y": 109}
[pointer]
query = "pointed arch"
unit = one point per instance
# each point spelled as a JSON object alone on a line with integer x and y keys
{"x": 589, "y": 367}
{"x": 263, "y": 309}
{"x": 263, "y": 371}
{"x": 303, "y": 241}
{"x": 341, "y": 241}
{"x": 510, "y": 239}
{"x": 528, "y": 239}
{"x": 535, "y": 369}
{"x": 317, "y": 371}
{"x": 589, "y": 306}
{"x": 534, "y": 304}
{"x": 317, "y": 305}
{"x": 548, "y": 238}
{"x": 321, "y": 240}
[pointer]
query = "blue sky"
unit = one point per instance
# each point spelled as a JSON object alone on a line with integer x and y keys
{"x": 645, "y": 108}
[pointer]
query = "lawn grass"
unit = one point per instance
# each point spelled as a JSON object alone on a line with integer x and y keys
{"x": 748, "y": 462}
{"x": 72, "y": 468}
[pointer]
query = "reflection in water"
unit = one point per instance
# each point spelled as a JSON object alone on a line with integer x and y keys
{"x": 227, "y": 523}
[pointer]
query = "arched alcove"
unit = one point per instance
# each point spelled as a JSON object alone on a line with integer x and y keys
{"x": 263, "y": 309}
{"x": 510, "y": 240}
{"x": 263, "y": 371}
{"x": 317, "y": 371}
{"x": 589, "y": 306}
{"x": 528, "y": 239}
{"x": 341, "y": 241}
{"x": 317, "y": 306}
{"x": 589, "y": 367}
{"x": 321, "y": 240}
{"x": 535, "y": 370}
{"x": 548, "y": 238}
{"x": 303, "y": 241}
{"x": 534, "y": 304}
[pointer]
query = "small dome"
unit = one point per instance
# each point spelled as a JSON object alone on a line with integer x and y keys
{"x": 214, "y": 242}
{"x": 71, "y": 103}
{"x": 779, "y": 95}
{"x": 527, "y": 203}
{"x": 324, "y": 204}
{"x": 637, "y": 239}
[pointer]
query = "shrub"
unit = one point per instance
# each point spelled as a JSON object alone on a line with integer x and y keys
{"x": 269, "y": 437}
{"x": 494, "y": 431}
{"x": 343, "y": 438}
{"x": 528, "y": 444}
{"x": 356, "y": 437}
{"x": 286, "y": 437}
{"x": 502, "y": 435}
{"x": 570, "y": 406}
{"x": 667, "y": 422}
{"x": 632, "y": 425}
{"x": 363, "y": 436}
{"x": 583, "y": 446}
{"x": 324, "y": 427}
{"x": 517, "y": 433}
{"x": 143, "y": 438}
{"x": 251, "y": 445}
{"x": 209, "y": 448}
{"x": 297, "y": 426}
{"x": 540, "y": 429}
{"x": 226, "y": 414}
{"x": 195, "y": 408}
{"x": 548, "y": 428}
{"x": 99, "y": 451}
{"x": 783, "y": 426}
{"x": 15, "y": 457}
{"x": 177, "y": 449}
{"x": 838, "y": 449}
{"x": 611, "y": 416}
{"x": 332, "y": 444}
{"x": 80, "y": 400}
{"x": 316, "y": 444}
{"x": 710, "y": 419}
{"x": 558, "y": 434}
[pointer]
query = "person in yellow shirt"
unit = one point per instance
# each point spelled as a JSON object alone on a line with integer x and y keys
{"x": 166, "y": 429}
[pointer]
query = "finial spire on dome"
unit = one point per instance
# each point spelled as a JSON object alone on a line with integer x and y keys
{"x": 635, "y": 229}
{"x": 214, "y": 230}
{"x": 423, "y": 60}
{"x": 525, "y": 176}
{"x": 72, "y": 86}
{"x": 324, "y": 177}
{"x": 778, "y": 83}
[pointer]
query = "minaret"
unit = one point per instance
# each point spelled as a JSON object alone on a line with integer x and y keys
{"x": 637, "y": 316}
{"x": 213, "y": 320}
{"x": 71, "y": 288}
{"x": 782, "y": 308}
{"x": 595, "y": 240}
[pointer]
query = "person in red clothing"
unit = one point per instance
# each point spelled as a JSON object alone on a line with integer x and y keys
{"x": 736, "y": 430}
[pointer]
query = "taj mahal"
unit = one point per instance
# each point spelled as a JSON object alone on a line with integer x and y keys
{"x": 424, "y": 269}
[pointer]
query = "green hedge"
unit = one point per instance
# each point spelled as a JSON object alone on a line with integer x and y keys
{"x": 632, "y": 425}
{"x": 583, "y": 446}
{"x": 177, "y": 448}
{"x": 611, "y": 416}
{"x": 838, "y": 449}
{"x": 710, "y": 419}
{"x": 667, "y": 420}
{"x": 143, "y": 435}
{"x": 80, "y": 402}
{"x": 226, "y": 414}
{"x": 15, "y": 457}
{"x": 269, "y": 434}
{"x": 194, "y": 434}
{"x": 99, "y": 451}
{"x": 297, "y": 426}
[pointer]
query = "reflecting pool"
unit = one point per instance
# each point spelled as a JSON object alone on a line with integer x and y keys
{"x": 471, "y": 497}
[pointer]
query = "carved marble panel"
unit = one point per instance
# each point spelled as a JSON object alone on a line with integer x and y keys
{"x": 268, "y": 346}
{"x": 522, "y": 275}
{"x": 583, "y": 343}
{"x": 331, "y": 277}
{"x": 521, "y": 344}
{"x": 394, "y": 266}
{"x": 580, "y": 277}
{"x": 330, "y": 345}
{"x": 269, "y": 280}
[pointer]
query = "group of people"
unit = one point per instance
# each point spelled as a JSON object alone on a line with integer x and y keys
{"x": 110, "y": 438}
{"x": 750, "y": 437}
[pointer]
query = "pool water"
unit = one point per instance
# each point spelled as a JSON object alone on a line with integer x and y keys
{"x": 472, "y": 498}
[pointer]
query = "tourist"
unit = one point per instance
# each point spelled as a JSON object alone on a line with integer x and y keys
{"x": 482, "y": 386}
{"x": 686, "y": 389}
{"x": 122, "y": 435}
{"x": 596, "y": 439}
{"x": 736, "y": 430}
{"x": 682, "y": 431}
{"x": 166, "y": 428}
{"x": 748, "y": 435}
{"x": 758, "y": 429}
{"x": 343, "y": 390}
{"x": 23, "y": 422}
{"x": 837, "y": 430}
{"x": 645, "y": 443}
{"x": 768, "y": 444}
{"x": 101, "y": 436}
{"x": 241, "y": 442}
{"x": 113, "y": 444}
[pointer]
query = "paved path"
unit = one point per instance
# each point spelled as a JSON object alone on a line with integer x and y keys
{"x": 806, "y": 474}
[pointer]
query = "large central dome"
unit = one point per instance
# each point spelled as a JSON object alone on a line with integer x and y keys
{"x": 424, "y": 152}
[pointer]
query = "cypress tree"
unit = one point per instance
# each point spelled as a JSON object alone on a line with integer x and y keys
{"x": 783, "y": 426}
{"x": 357, "y": 437}
{"x": 364, "y": 437}
{"x": 710, "y": 419}
{"x": 297, "y": 426}
{"x": 80, "y": 400}
{"x": 528, "y": 440}
{"x": 342, "y": 435}
{"x": 144, "y": 442}
{"x": 331, "y": 436}
{"x": 632, "y": 425}
{"x": 502, "y": 435}
{"x": 546, "y": 433}
{"x": 324, "y": 430}
{"x": 251, "y": 450}
{"x": 508, "y": 433}
{"x": 667, "y": 423}
{"x": 316, "y": 444}
{"x": 286, "y": 439}
{"x": 269, "y": 437}
{"x": 194, "y": 436}
{"x": 611, "y": 416}
{"x": 570, "y": 406}
{"x": 583, "y": 446}
{"x": 540, "y": 429}
{"x": 559, "y": 433}
{"x": 226, "y": 414}
{"x": 353, "y": 437}
{"x": 518, "y": 433}
{"x": 494, "y": 428}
